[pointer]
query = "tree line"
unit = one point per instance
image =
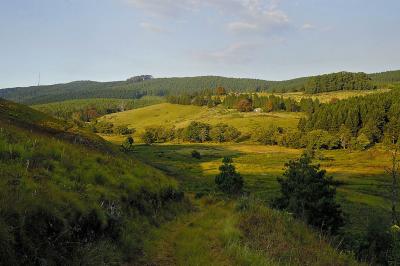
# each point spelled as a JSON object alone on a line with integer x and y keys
{"x": 373, "y": 117}
{"x": 339, "y": 82}
{"x": 271, "y": 103}
{"x": 196, "y": 132}
{"x": 140, "y": 86}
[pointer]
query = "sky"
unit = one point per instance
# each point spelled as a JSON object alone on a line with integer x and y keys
{"x": 104, "y": 40}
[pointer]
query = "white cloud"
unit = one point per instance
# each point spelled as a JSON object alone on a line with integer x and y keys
{"x": 255, "y": 15}
{"x": 237, "y": 53}
{"x": 162, "y": 8}
{"x": 153, "y": 28}
{"x": 307, "y": 26}
{"x": 241, "y": 26}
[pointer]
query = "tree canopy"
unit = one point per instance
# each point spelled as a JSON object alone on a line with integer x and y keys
{"x": 309, "y": 195}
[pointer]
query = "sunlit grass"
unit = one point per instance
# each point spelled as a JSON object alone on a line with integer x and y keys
{"x": 181, "y": 115}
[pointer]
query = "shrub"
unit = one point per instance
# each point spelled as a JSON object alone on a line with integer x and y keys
{"x": 158, "y": 134}
{"x": 394, "y": 256}
{"x": 228, "y": 180}
{"x": 321, "y": 139}
{"x": 268, "y": 135}
{"x": 197, "y": 132}
{"x": 127, "y": 145}
{"x": 220, "y": 91}
{"x": 245, "y": 105}
{"x": 196, "y": 154}
{"x": 148, "y": 137}
{"x": 102, "y": 127}
{"x": 223, "y": 133}
{"x": 123, "y": 130}
{"x": 360, "y": 143}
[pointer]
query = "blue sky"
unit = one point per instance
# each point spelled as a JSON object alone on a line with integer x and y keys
{"x": 68, "y": 40}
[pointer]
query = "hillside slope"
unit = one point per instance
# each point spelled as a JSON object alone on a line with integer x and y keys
{"x": 160, "y": 87}
{"x": 67, "y": 197}
{"x": 167, "y": 114}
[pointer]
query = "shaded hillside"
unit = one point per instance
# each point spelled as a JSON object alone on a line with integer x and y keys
{"x": 74, "y": 202}
{"x": 125, "y": 89}
{"x": 88, "y": 109}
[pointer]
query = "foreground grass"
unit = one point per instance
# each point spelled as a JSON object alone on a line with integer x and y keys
{"x": 69, "y": 198}
{"x": 217, "y": 234}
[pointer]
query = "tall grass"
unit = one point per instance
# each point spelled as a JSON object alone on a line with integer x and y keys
{"x": 286, "y": 240}
{"x": 69, "y": 204}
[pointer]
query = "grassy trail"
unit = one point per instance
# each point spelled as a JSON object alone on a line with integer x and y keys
{"x": 194, "y": 239}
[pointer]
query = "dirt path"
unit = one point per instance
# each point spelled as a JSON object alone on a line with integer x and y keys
{"x": 194, "y": 239}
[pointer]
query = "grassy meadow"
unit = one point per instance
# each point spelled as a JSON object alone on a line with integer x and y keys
{"x": 363, "y": 192}
{"x": 180, "y": 116}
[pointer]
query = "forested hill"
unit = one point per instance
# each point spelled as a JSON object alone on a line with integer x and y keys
{"x": 171, "y": 86}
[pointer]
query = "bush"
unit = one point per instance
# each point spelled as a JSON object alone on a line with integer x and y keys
{"x": 102, "y": 127}
{"x": 196, "y": 154}
{"x": 158, "y": 134}
{"x": 223, "y": 133}
{"x": 127, "y": 145}
{"x": 123, "y": 130}
{"x": 268, "y": 135}
{"x": 228, "y": 180}
{"x": 245, "y": 105}
{"x": 197, "y": 132}
{"x": 321, "y": 139}
{"x": 360, "y": 143}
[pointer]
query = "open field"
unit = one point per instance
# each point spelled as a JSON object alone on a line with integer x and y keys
{"x": 327, "y": 96}
{"x": 167, "y": 114}
{"x": 364, "y": 189}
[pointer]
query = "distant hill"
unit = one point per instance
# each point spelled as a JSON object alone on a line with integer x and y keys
{"x": 160, "y": 87}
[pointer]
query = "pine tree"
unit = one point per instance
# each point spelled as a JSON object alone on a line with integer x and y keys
{"x": 228, "y": 180}
{"x": 309, "y": 195}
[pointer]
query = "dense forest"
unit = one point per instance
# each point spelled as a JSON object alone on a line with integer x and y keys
{"x": 271, "y": 103}
{"x": 126, "y": 89}
{"x": 338, "y": 82}
{"x": 140, "y": 86}
{"x": 369, "y": 119}
{"x": 386, "y": 77}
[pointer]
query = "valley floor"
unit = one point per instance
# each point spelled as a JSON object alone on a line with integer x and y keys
{"x": 363, "y": 190}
